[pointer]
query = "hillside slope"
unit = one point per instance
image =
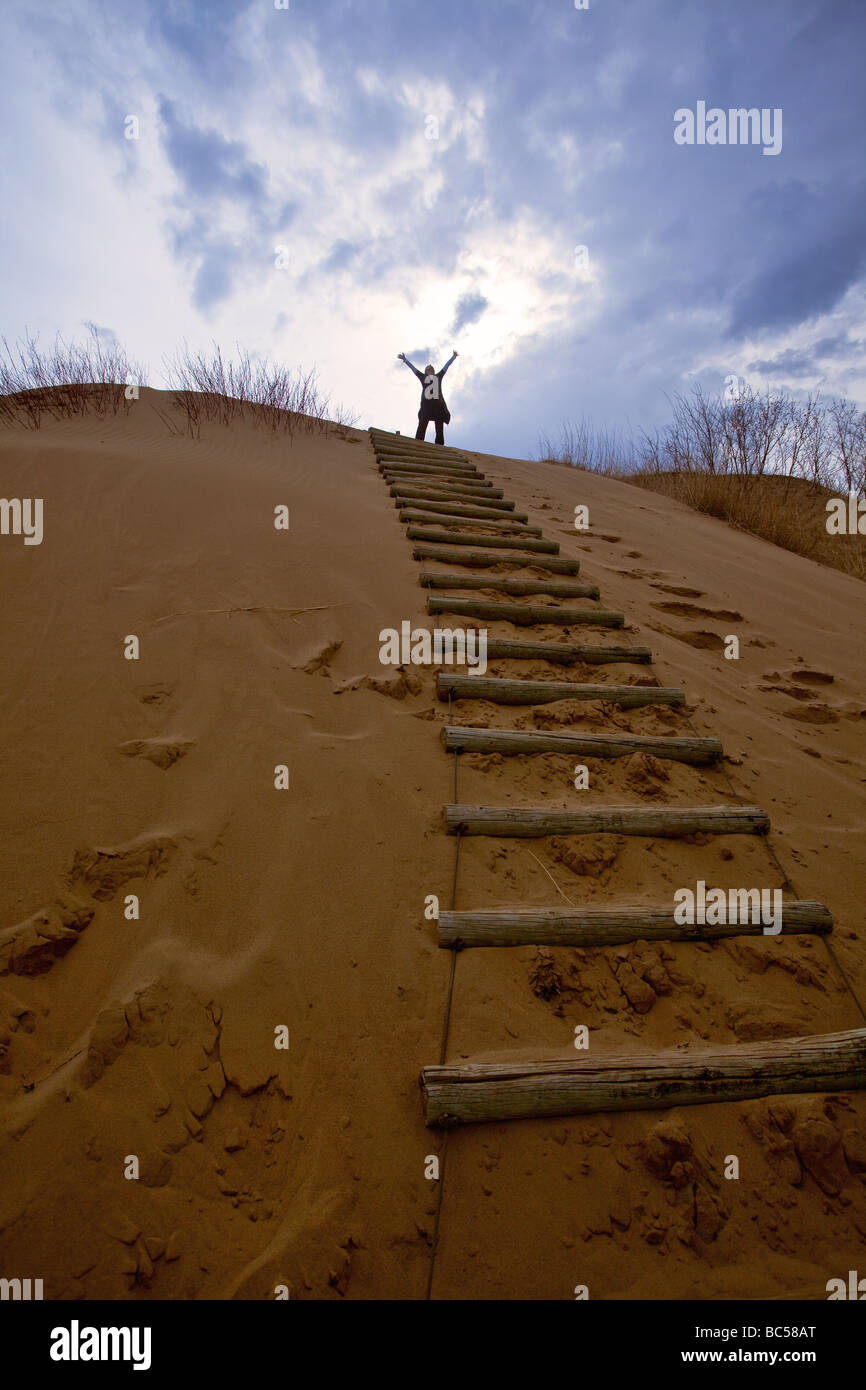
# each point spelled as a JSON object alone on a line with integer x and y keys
{"x": 303, "y": 908}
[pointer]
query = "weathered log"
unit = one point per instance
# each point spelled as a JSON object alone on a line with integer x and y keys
{"x": 482, "y": 559}
{"x": 476, "y": 1092}
{"x": 523, "y": 692}
{"x": 424, "y": 470}
{"x": 610, "y": 926}
{"x": 563, "y": 588}
{"x": 388, "y": 437}
{"x": 416, "y": 449}
{"x": 566, "y": 653}
{"x": 696, "y": 751}
{"x": 525, "y": 615}
{"x": 447, "y": 515}
{"x": 670, "y": 822}
{"x": 494, "y": 505}
{"x": 437, "y": 457}
{"x": 408, "y": 461}
{"x": 480, "y": 492}
{"x": 541, "y": 547}
{"x": 471, "y": 492}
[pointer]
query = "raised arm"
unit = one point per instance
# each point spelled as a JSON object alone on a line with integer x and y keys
{"x": 401, "y": 356}
{"x": 448, "y": 363}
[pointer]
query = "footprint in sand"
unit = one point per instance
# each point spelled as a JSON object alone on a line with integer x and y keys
{"x": 102, "y": 872}
{"x": 813, "y": 714}
{"x": 691, "y": 610}
{"x": 32, "y": 947}
{"x": 813, "y": 677}
{"x": 320, "y": 662}
{"x": 163, "y": 752}
{"x": 703, "y": 640}
{"x": 155, "y": 694}
{"x": 397, "y": 688}
{"x": 679, "y": 589}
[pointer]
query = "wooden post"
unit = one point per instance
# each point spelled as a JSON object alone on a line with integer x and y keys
{"x": 696, "y": 751}
{"x": 669, "y": 822}
{"x": 541, "y": 547}
{"x": 467, "y": 492}
{"x": 453, "y": 515}
{"x": 409, "y": 460}
{"x": 473, "y": 1093}
{"x": 396, "y": 471}
{"x": 523, "y": 692}
{"x": 565, "y": 653}
{"x": 562, "y": 588}
{"x": 610, "y": 926}
{"x": 526, "y": 615}
{"x": 415, "y": 449}
{"x": 482, "y": 559}
{"x": 495, "y": 505}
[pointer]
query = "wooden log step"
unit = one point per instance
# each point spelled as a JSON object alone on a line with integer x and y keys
{"x": 418, "y": 448}
{"x": 411, "y": 460}
{"x": 566, "y": 653}
{"x": 481, "y": 559}
{"x": 564, "y": 588}
{"x": 416, "y": 479}
{"x": 481, "y": 490}
{"x": 438, "y": 477}
{"x": 468, "y": 492}
{"x": 439, "y": 515}
{"x": 610, "y": 926}
{"x": 389, "y": 438}
{"x": 492, "y": 504}
{"x": 524, "y": 614}
{"x": 452, "y": 466}
{"x": 523, "y": 692}
{"x": 439, "y": 470}
{"x": 540, "y": 547}
{"x": 419, "y": 454}
{"x": 416, "y": 451}
{"x": 696, "y": 751}
{"x": 468, "y": 1093}
{"x": 670, "y": 822}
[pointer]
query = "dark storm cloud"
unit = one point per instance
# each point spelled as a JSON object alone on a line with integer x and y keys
{"x": 468, "y": 309}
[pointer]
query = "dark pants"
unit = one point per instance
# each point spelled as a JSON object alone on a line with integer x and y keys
{"x": 422, "y": 430}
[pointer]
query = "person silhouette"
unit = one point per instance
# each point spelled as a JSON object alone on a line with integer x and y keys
{"x": 433, "y": 405}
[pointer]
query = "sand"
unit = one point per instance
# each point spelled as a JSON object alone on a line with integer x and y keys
{"x": 148, "y": 1045}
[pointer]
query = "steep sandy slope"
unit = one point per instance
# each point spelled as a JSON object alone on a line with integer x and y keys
{"x": 303, "y": 908}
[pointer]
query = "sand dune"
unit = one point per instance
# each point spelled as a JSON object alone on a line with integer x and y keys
{"x": 303, "y": 908}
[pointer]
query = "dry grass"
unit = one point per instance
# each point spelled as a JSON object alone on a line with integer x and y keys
{"x": 97, "y": 376}
{"x": 764, "y": 462}
{"x": 789, "y": 512}
{"x": 210, "y": 387}
{"x": 66, "y": 379}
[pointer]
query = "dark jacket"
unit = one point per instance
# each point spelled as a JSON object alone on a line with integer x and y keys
{"x": 433, "y": 405}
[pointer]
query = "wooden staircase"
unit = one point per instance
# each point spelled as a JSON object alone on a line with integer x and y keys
{"x": 455, "y": 516}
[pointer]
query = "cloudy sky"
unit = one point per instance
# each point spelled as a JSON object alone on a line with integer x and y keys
{"x": 337, "y": 181}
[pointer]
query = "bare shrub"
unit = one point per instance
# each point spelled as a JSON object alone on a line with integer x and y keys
{"x": 764, "y": 461}
{"x": 207, "y": 386}
{"x": 66, "y": 379}
{"x": 580, "y": 445}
